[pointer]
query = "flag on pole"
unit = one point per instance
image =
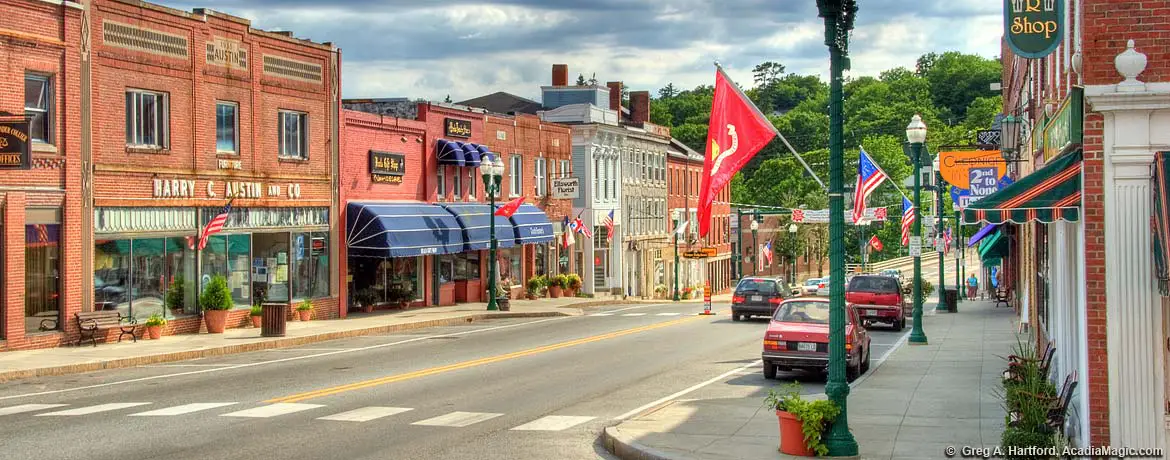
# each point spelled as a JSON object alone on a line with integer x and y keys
{"x": 580, "y": 227}
{"x": 869, "y": 177}
{"x": 875, "y": 243}
{"x": 907, "y": 220}
{"x": 567, "y": 239}
{"x": 736, "y": 132}
{"x": 947, "y": 241}
{"x": 608, "y": 222}
{"x": 509, "y": 209}
{"x": 768, "y": 251}
{"x": 216, "y": 224}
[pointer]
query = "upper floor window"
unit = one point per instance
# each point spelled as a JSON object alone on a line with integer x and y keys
{"x": 441, "y": 174}
{"x": 564, "y": 168}
{"x": 457, "y": 184}
{"x": 226, "y": 127}
{"x": 146, "y": 119}
{"x": 471, "y": 183}
{"x": 294, "y": 135}
{"x": 540, "y": 173}
{"x": 38, "y": 106}
{"x": 516, "y": 174}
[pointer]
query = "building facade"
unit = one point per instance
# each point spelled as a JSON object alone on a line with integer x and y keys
{"x": 684, "y": 170}
{"x": 643, "y": 198}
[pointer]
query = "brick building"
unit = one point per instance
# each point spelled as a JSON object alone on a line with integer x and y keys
{"x": 807, "y": 264}
{"x": 684, "y": 168}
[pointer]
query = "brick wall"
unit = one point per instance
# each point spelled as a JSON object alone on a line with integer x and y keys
{"x": 1109, "y": 24}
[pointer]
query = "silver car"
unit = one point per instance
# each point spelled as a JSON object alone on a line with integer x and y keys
{"x": 810, "y": 286}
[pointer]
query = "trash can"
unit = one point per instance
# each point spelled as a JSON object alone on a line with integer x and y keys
{"x": 951, "y": 299}
{"x": 275, "y": 317}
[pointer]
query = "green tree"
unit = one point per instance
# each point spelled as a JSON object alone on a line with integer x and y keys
{"x": 767, "y": 73}
{"x": 957, "y": 79}
{"x": 581, "y": 80}
{"x": 668, "y": 91}
{"x": 982, "y": 111}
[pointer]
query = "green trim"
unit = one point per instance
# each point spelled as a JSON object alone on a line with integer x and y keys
{"x": 1052, "y": 193}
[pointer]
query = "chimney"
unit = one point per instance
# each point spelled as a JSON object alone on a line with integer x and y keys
{"x": 615, "y": 95}
{"x": 560, "y": 75}
{"x": 640, "y": 106}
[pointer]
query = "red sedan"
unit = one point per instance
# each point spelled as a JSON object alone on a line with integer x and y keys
{"x": 798, "y": 338}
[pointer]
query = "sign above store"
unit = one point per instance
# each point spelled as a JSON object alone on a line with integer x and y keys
{"x": 701, "y": 253}
{"x": 14, "y": 145}
{"x": 955, "y": 167}
{"x": 386, "y": 167}
{"x": 566, "y": 188}
{"x": 455, "y": 127}
{"x": 1033, "y": 28}
{"x": 1065, "y": 130}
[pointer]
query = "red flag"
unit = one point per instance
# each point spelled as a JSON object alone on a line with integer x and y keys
{"x": 737, "y": 131}
{"x": 510, "y": 208}
{"x": 875, "y": 243}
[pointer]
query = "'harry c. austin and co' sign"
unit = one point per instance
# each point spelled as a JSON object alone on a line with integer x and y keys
{"x": 1033, "y": 28}
{"x": 386, "y": 167}
{"x": 454, "y": 127}
{"x": 14, "y": 144}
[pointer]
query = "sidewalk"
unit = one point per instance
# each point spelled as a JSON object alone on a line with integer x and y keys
{"x": 920, "y": 400}
{"x": 70, "y": 359}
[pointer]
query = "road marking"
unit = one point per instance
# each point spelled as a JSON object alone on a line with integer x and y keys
{"x": 688, "y": 390}
{"x": 27, "y": 408}
{"x": 553, "y": 423}
{"x": 94, "y": 409}
{"x": 185, "y": 365}
{"x": 669, "y": 314}
{"x": 457, "y": 419}
{"x": 898, "y": 344}
{"x": 272, "y": 410}
{"x": 183, "y": 409}
{"x": 473, "y": 363}
{"x": 602, "y": 314}
{"x": 281, "y": 360}
{"x": 633, "y": 314}
{"x": 635, "y": 307}
{"x": 365, "y": 414}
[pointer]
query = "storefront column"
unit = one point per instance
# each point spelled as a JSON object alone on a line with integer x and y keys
{"x": 1134, "y": 126}
{"x": 13, "y": 250}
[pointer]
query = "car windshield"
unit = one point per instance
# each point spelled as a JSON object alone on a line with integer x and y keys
{"x": 879, "y": 284}
{"x": 807, "y": 312}
{"x": 757, "y": 286}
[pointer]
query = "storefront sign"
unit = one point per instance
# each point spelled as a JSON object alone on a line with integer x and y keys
{"x": 454, "y": 127}
{"x": 174, "y": 188}
{"x": 1065, "y": 130}
{"x": 129, "y": 220}
{"x": 227, "y": 53}
{"x": 386, "y": 167}
{"x": 983, "y": 182}
{"x": 821, "y": 216}
{"x": 230, "y": 164}
{"x": 702, "y": 253}
{"x": 244, "y": 189}
{"x": 955, "y": 167}
{"x": 1033, "y": 28}
{"x": 566, "y": 188}
{"x": 245, "y": 218}
{"x": 14, "y": 145}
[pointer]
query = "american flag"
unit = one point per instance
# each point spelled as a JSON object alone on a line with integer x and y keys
{"x": 947, "y": 241}
{"x": 907, "y": 220}
{"x": 608, "y": 222}
{"x": 581, "y": 228}
{"x": 768, "y": 252}
{"x": 869, "y": 177}
{"x": 216, "y": 224}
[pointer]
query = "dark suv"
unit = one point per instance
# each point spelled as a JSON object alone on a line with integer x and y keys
{"x": 757, "y": 296}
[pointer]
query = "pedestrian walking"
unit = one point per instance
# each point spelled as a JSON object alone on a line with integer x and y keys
{"x": 972, "y": 286}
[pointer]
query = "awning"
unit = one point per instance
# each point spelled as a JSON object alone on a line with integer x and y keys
{"x": 994, "y": 247}
{"x": 458, "y": 153}
{"x": 1161, "y": 221}
{"x": 983, "y": 232}
{"x": 476, "y": 223}
{"x": 532, "y": 225}
{"x": 1049, "y": 194}
{"x": 403, "y": 229}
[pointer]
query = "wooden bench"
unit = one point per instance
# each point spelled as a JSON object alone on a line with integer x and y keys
{"x": 1015, "y": 363}
{"x": 90, "y": 322}
{"x": 1057, "y": 406}
{"x": 1002, "y": 296}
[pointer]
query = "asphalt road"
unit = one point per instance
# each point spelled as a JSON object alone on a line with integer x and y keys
{"x": 506, "y": 389}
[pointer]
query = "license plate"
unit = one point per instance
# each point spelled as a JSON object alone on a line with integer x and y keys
{"x": 806, "y": 346}
{"x": 871, "y": 313}
{"x": 757, "y": 298}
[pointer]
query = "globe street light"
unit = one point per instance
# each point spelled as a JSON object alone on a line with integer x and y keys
{"x": 916, "y": 135}
{"x": 755, "y": 245}
{"x": 492, "y": 169}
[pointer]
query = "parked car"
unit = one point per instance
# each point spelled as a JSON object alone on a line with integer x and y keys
{"x": 798, "y": 338}
{"x": 810, "y": 286}
{"x": 757, "y": 296}
{"x": 878, "y": 298}
{"x": 823, "y": 285}
{"x": 892, "y": 272}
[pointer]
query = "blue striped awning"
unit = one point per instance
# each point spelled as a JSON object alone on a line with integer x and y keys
{"x": 401, "y": 229}
{"x": 475, "y": 219}
{"x": 458, "y": 153}
{"x": 532, "y": 225}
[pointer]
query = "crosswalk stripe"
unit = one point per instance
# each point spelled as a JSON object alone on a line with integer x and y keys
{"x": 602, "y": 314}
{"x": 365, "y": 414}
{"x": 457, "y": 419}
{"x": 634, "y": 314}
{"x": 27, "y": 408}
{"x": 94, "y": 409}
{"x": 272, "y": 410}
{"x": 553, "y": 423}
{"x": 669, "y": 314}
{"x": 183, "y": 409}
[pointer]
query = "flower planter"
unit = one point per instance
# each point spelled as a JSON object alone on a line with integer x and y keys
{"x": 256, "y": 320}
{"x": 368, "y": 308}
{"x": 216, "y": 320}
{"x": 504, "y": 304}
{"x": 155, "y": 332}
{"x": 305, "y": 315}
{"x": 555, "y": 291}
{"x": 792, "y": 436}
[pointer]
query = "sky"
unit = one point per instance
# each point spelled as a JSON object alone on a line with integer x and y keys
{"x": 466, "y": 48}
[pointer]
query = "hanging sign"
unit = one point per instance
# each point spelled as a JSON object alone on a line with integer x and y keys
{"x": 955, "y": 167}
{"x": 1064, "y": 130}
{"x": 14, "y": 145}
{"x": 566, "y": 188}
{"x": 1033, "y": 28}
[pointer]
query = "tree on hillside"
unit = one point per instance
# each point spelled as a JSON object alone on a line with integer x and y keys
{"x": 668, "y": 91}
{"x": 581, "y": 80}
{"x": 767, "y": 73}
{"x": 957, "y": 79}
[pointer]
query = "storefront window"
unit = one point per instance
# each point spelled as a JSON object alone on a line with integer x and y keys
{"x": 541, "y": 259}
{"x": 311, "y": 265}
{"x": 446, "y": 268}
{"x": 508, "y": 261}
{"x": 147, "y": 278}
{"x": 228, "y": 256}
{"x": 401, "y": 274}
{"x": 42, "y": 270}
{"x": 563, "y": 260}
{"x": 467, "y": 265}
{"x": 270, "y": 267}
{"x": 111, "y": 275}
{"x": 180, "y": 275}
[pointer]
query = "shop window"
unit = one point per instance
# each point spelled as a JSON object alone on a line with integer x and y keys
{"x": 38, "y": 107}
{"x": 311, "y": 265}
{"x": 541, "y": 251}
{"x": 147, "y": 277}
{"x": 564, "y": 168}
{"x": 508, "y": 261}
{"x": 226, "y": 127}
{"x": 294, "y": 135}
{"x": 42, "y": 270}
{"x": 270, "y": 267}
{"x": 446, "y": 268}
{"x": 147, "y": 119}
{"x": 401, "y": 273}
{"x": 467, "y": 265}
{"x": 471, "y": 184}
{"x": 457, "y": 184}
{"x": 230, "y": 256}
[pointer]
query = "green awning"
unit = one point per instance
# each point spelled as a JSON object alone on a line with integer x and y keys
{"x": 1161, "y": 221}
{"x": 993, "y": 247}
{"x": 1047, "y": 195}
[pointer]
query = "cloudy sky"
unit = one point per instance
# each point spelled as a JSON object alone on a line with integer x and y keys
{"x": 467, "y": 48}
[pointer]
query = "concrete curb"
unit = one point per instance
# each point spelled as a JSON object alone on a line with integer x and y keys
{"x": 118, "y": 363}
{"x": 626, "y": 448}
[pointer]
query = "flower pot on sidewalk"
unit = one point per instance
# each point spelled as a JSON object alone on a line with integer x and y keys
{"x": 504, "y": 304}
{"x": 305, "y": 315}
{"x": 257, "y": 321}
{"x": 216, "y": 321}
{"x": 554, "y": 292}
{"x": 155, "y": 332}
{"x": 792, "y": 436}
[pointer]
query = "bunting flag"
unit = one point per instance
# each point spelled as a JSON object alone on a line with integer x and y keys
{"x": 869, "y": 177}
{"x": 509, "y": 209}
{"x": 567, "y": 239}
{"x": 581, "y": 228}
{"x": 947, "y": 241}
{"x": 907, "y": 220}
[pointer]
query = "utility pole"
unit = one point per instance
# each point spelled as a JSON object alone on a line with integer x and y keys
{"x": 941, "y": 290}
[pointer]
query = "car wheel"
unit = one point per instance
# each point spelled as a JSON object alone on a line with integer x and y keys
{"x": 769, "y": 371}
{"x": 865, "y": 364}
{"x": 900, "y": 324}
{"x": 852, "y": 372}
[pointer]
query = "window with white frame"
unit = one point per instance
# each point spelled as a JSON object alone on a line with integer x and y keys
{"x": 516, "y": 173}
{"x": 612, "y": 176}
{"x": 146, "y": 119}
{"x": 540, "y": 173}
{"x": 226, "y": 127}
{"x": 457, "y": 184}
{"x": 294, "y": 135}
{"x": 470, "y": 184}
{"x": 441, "y": 175}
{"x": 596, "y": 177}
{"x": 564, "y": 168}
{"x": 38, "y": 107}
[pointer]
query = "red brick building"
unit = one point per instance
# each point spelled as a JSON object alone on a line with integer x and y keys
{"x": 684, "y": 169}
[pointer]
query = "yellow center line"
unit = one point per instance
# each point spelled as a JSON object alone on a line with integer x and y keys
{"x": 475, "y": 362}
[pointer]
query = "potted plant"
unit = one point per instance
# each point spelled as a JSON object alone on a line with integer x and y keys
{"x": 216, "y": 300}
{"x": 574, "y": 284}
{"x": 256, "y": 314}
{"x": 803, "y": 423}
{"x": 660, "y": 291}
{"x": 174, "y": 297}
{"x": 556, "y": 286}
{"x": 400, "y": 296}
{"x": 686, "y": 292}
{"x": 536, "y": 287}
{"x": 305, "y": 310}
{"x": 365, "y": 299}
{"x": 503, "y": 299}
{"x": 154, "y": 326}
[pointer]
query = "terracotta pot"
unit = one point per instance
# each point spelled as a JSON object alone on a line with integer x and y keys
{"x": 555, "y": 291}
{"x": 256, "y": 320}
{"x": 216, "y": 320}
{"x": 792, "y": 436}
{"x": 305, "y": 315}
{"x": 368, "y": 308}
{"x": 155, "y": 332}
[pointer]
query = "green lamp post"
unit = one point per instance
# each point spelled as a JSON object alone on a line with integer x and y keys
{"x": 916, "y": 135}
{"x": 941, "y": 290}
{"x": 755, "y": 244}
{"x": 676, "y": 261}
{"x": 492, "y": 169}
{"x": 792, "y": 257}
{"x": 958, "y": 260}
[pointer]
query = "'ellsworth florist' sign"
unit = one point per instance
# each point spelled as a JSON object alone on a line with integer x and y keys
{"x": 1033, "y": 28}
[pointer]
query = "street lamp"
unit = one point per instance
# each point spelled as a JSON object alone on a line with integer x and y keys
{"x": 755, "y": 245}
{"x": 916, "y": 135}
{"x": 792, "y": 247}
{"x": 941, "y": 290}
{"x": 676, "y": 261}
{"x": 492, "y": 169}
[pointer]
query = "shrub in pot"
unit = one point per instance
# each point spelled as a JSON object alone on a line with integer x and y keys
{"x": 503, "y": 298}
{"x": 574, "y": 284}
{"x": 803, "y": 423}
{"x": 556, "y": 285}
{"x": 216, "y": 300}
{"x": 535, "y": 287}
{"x": 154, "y": 326}
{"x": 305, "y": 310}
{"x": 365, "y": 299}
{"x": 256, "y": 314}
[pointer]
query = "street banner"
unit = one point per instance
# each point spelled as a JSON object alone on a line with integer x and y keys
{"x": 821, "y": 216}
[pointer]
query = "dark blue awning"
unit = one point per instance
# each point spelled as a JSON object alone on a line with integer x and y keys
{"x": 450, "y": 153}
{"x": 475, "y": 219}
{"x": 532, "y": 225}
{"x": 403, "y": 229}
{"x": 471, "y": 155}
